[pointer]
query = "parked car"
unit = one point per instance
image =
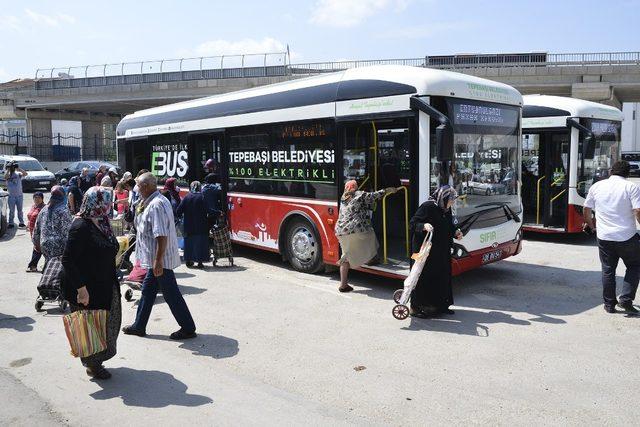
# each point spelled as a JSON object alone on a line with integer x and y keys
{"x": 483, "y": 188}
{"x": 38, "y": 176}
{"x": 4, "y": 196}
{"x": 75, "y": 168}
{"x": 633, "y": 157}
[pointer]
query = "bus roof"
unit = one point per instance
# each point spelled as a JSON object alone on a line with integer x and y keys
{"x": 560, "y": 107}
{"x": 327, "y": 95}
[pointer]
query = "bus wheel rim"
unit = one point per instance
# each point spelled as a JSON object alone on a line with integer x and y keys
{"x": 303, "y": 244}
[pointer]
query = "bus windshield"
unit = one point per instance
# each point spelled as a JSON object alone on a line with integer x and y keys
{"x": 485, "y": 169}
{"x": 593, "y": 169}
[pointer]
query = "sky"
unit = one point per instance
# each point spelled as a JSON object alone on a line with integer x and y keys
{"x": 44, "y": 34}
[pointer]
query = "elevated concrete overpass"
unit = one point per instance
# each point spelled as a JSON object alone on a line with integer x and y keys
{"x": 602, "y": 77}
{"x": 81, "y": 93}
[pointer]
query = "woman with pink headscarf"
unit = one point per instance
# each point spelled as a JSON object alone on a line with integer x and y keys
{"x": 354, "y": 231}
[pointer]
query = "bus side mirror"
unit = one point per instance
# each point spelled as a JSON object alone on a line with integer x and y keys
{"x": 444, "y": 143}
{"x": 589, "y": 147}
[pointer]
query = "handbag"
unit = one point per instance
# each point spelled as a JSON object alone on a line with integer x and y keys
{"x": 86, "y": 331}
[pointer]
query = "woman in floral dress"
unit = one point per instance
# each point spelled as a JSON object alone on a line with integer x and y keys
{"x": 354, "y": 231}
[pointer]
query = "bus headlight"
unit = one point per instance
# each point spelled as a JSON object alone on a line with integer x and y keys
{"x": 457, "y": 251}
{"x": 518, "y": 236}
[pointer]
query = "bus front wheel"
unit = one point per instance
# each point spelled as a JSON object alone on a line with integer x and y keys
{"x": 304, "y": 251}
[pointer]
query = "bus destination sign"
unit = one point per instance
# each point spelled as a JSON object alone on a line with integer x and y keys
{"x": 484, "y": 115}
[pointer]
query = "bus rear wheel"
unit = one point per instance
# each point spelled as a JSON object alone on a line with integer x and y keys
{"x": 303, "y": 247}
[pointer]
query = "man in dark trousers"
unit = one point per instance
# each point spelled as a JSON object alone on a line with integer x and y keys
{"x": 157, "y": 251}
{"x": 616, "y": 202}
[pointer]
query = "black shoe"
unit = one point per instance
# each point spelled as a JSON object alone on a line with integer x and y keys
{"x": 189, "y": 264}
{"x": 130, "y": 330}
{"x": 11, "y": 225}
{"x": 628, "y": 307}
{"x": 610, "y": 309}
{"x": 21, "y": 225}
{"x": 182, "y": 335}
{"x": 446, "y": 310}
{"x": 99, "y": 373}
{"x": 418, "y": 314}
{"x": 200, "y": 265}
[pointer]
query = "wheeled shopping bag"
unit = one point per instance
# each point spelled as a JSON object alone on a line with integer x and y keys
{"x": 49, "y": 288}
{"x": 221, "y": 240}
{"x": 401, "y": 296}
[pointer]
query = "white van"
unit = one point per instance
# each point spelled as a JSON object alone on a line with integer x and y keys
{"x": 38, "y": 176}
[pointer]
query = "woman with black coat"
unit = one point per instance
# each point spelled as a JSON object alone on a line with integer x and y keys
{"x": 90, "y": 280}
{"x": 433, "y": 293}
{"x": 196, "y": 226}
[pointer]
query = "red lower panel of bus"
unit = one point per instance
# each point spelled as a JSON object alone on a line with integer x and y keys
{"x": 574, "y": 219}
{"x": 574, "y": 223}
{"x": 257, "y": 221}
{"x": 486, "y": 256}
{"x": 262, "y": 221}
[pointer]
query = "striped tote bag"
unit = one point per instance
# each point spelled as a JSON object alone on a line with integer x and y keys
{"x": 86, "y": 331}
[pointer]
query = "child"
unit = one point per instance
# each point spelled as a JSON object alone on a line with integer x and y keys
{"x": 122, "y": 197}
{"x": 38, "y": 204}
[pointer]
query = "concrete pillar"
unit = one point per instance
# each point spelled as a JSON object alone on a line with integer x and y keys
{"x": 630, "y": 129}
{"x": 92, "y": 141}
{"x": 41, "y": 140}
{"x": 597, "y": 92}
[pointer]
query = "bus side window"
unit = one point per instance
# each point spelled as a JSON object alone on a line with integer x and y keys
{"x": 287, "y": 159}
{"x": 356, "y": 165}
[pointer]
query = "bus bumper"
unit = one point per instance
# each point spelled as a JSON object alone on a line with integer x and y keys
{"x": 485, "y": 256}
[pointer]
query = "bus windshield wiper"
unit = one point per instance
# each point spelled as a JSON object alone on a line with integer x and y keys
{"x": 471, "y": 219}
{"x": 465, "y": 225}
{"x": 507, "y": 209}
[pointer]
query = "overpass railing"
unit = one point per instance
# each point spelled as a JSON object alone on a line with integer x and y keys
{"x": 163, "y": 70}
{"x": 536, "y": 59}
{"x": 276, "y": 64}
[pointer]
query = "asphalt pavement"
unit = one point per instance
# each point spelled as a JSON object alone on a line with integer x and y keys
{"x": 529, "y": 344}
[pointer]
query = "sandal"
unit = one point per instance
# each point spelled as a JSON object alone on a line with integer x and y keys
{"x": 345, "y": 289}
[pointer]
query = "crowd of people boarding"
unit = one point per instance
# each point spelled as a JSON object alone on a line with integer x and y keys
{"x": 73, "y": 232}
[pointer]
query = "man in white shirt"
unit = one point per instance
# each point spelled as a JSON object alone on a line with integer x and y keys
{"x": 616, "y": 202}
{"x": 157, "y": 251}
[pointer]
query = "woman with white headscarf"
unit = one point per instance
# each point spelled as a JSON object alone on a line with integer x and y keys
{"x": 433, "y": 293}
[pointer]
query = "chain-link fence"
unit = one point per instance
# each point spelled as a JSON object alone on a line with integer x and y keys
{"x": 59, "y": 147}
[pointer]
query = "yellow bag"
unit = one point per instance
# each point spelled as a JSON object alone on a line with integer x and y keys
{"x": 86, "y": 331}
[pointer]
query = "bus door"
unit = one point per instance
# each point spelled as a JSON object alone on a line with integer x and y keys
{"x": 137, "y": 154}
{"x": 377, "y": 155}
{"x": 545, "y": 178}
{"x": 205, "y": 146}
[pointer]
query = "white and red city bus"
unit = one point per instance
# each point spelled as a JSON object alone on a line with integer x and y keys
{"x": 285, "y": 150}
{"x": 567, "y": 145}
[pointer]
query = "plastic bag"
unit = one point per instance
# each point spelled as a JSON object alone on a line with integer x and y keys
{"x": 86, "y": 331}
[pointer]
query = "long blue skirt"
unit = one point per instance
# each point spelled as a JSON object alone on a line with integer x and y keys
{"x": 196, "y": 248}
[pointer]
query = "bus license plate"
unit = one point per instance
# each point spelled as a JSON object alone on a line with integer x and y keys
{"x": 491, "y": 256}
